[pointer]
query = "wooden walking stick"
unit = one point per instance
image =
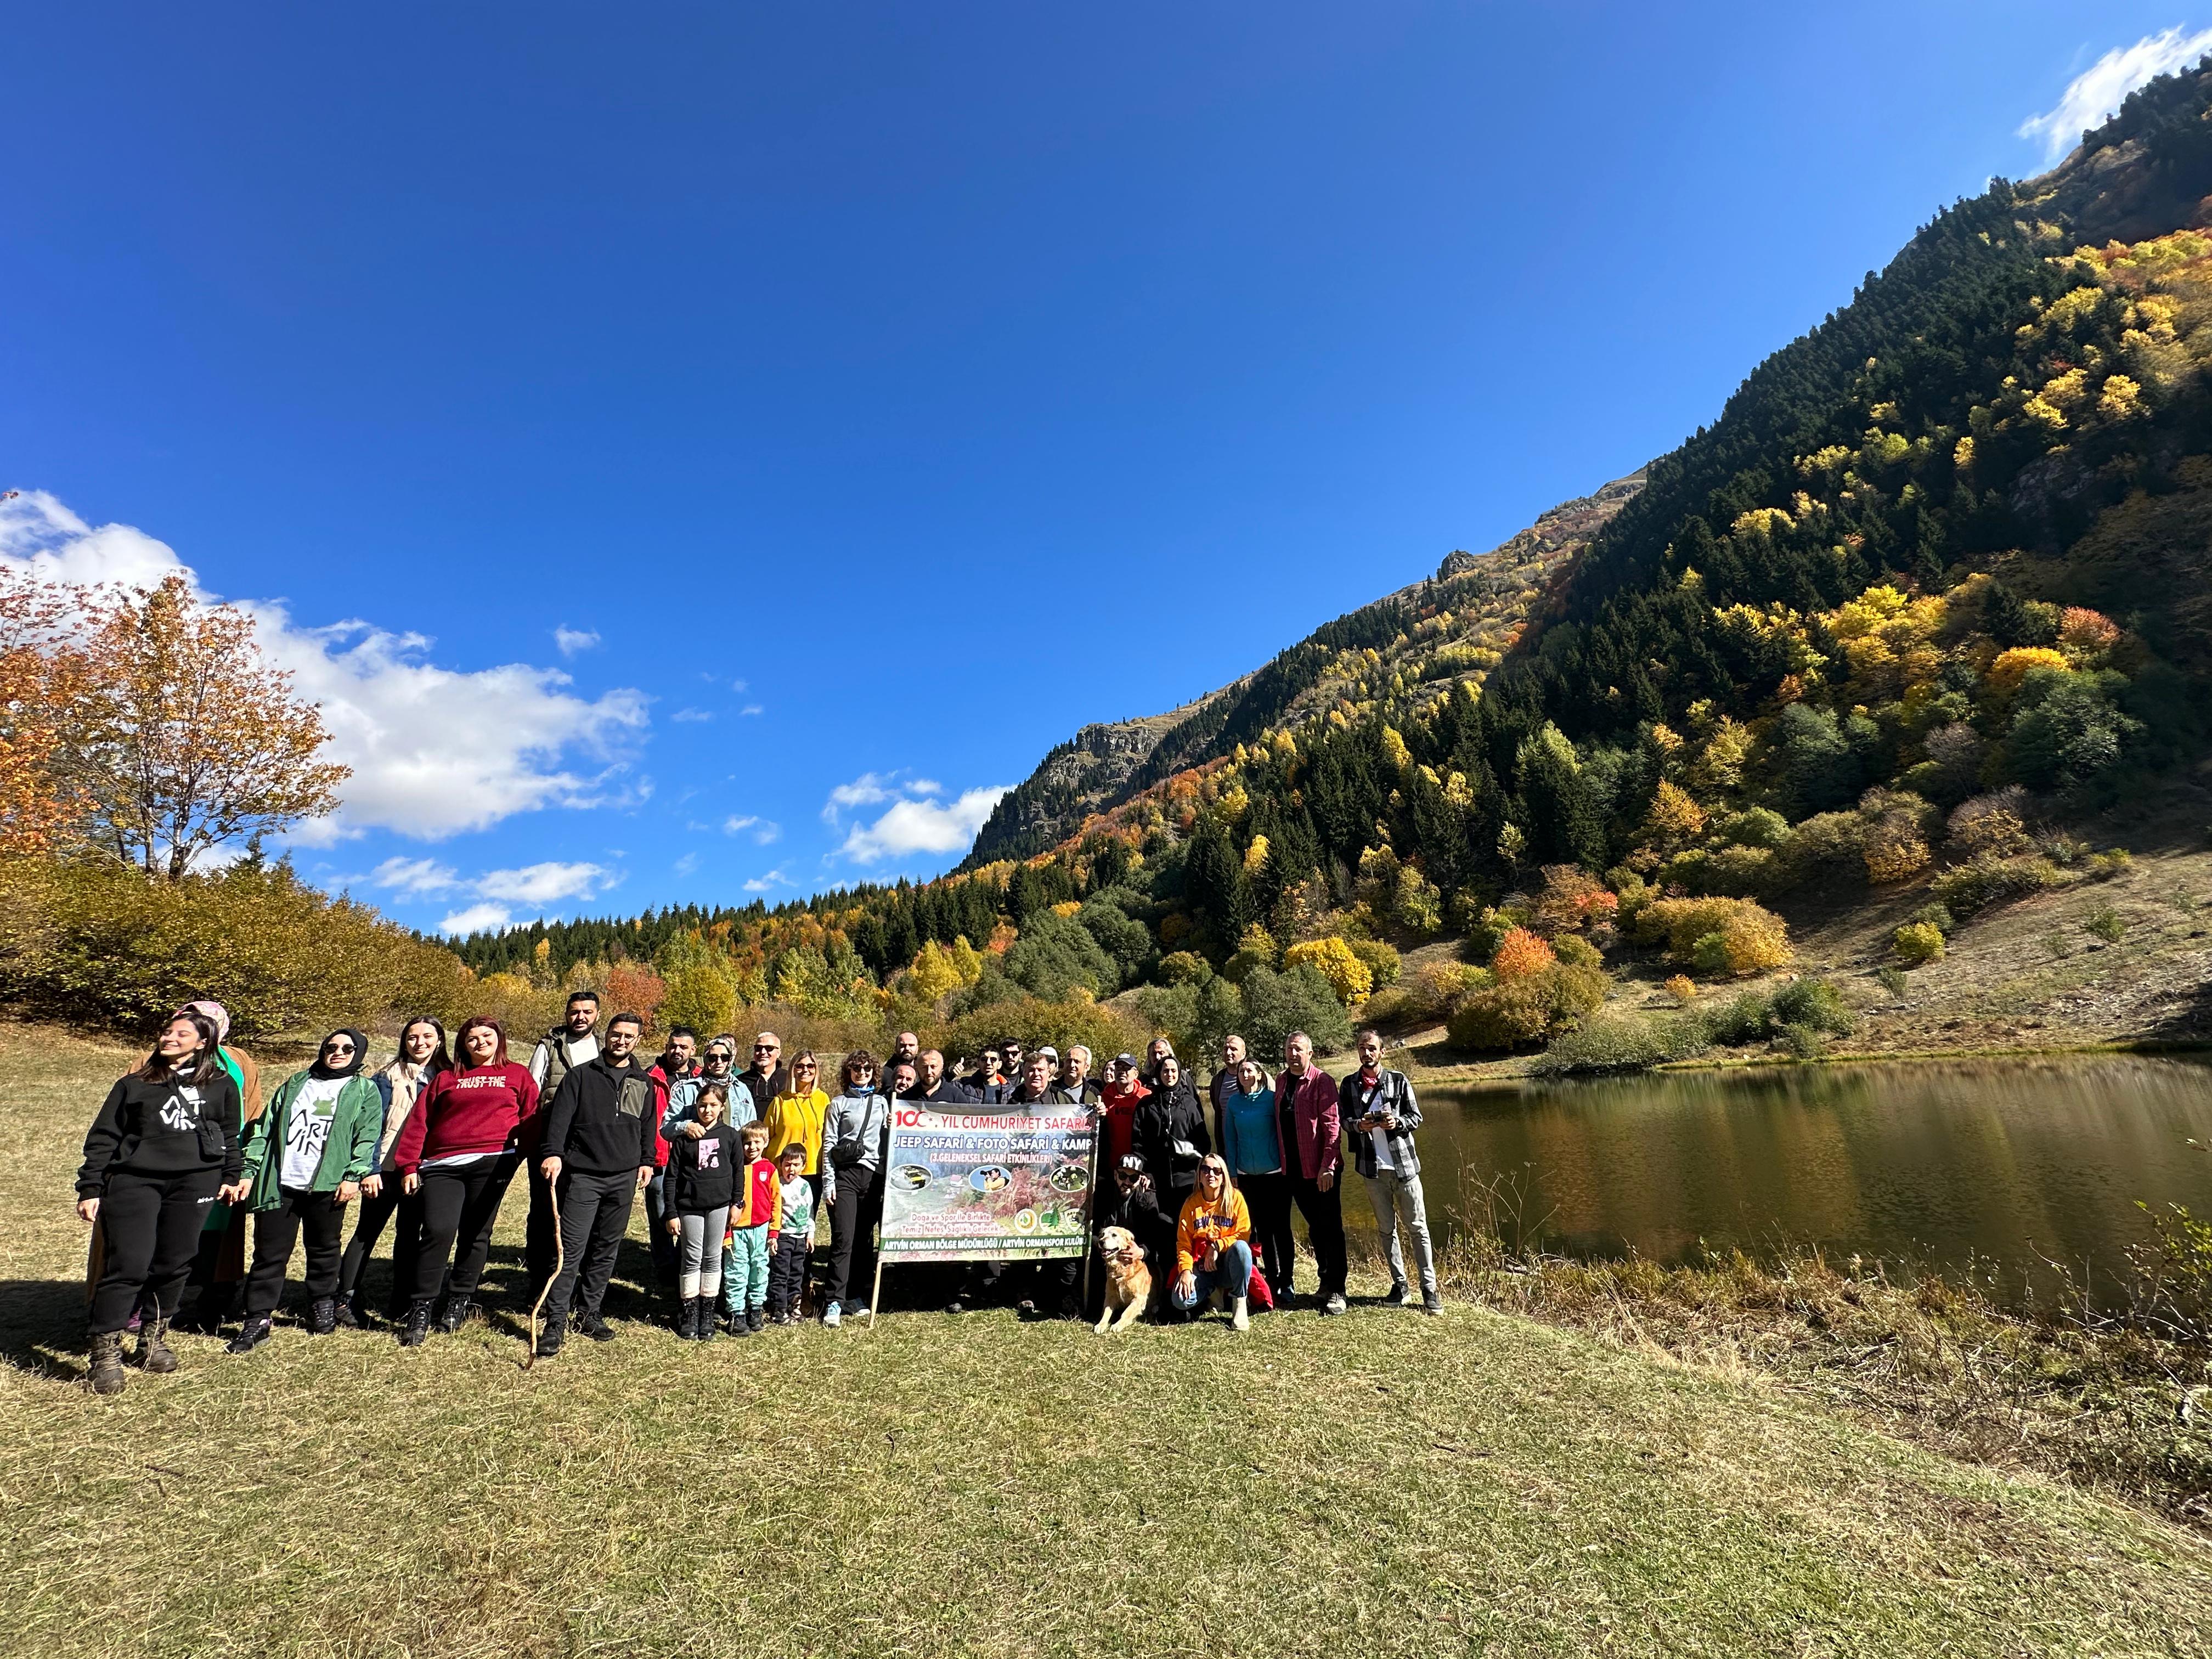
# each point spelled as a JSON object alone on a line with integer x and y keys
{"x": 560, "y": 1266}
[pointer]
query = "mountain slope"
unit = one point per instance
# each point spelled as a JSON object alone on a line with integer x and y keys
{"x": 1103, "y": 766}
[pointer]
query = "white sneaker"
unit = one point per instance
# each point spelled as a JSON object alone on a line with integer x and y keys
{"x": 830, "y": 1316}
{"x": 1239, "y": 1321}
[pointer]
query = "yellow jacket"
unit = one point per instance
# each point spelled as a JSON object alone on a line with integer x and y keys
{"x": 798, "y": 1117}
{"x": 1221, "y": 1223}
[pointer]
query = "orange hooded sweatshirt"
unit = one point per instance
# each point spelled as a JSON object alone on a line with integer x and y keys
{"x": 1221, "y": 1223}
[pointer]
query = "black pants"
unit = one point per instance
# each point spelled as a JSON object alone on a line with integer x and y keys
{"x": 538, "y": 1238}
{"x": 150, "y": 1229}
{"x": 320, "y": 1218}
{"x": 594, "y": 1216}
{"x": 368, "y": 1227}
{"x": 458, "y": 1203}
{"x": 656, "y": 1230}
{"x": 786, "y": 1271}
{"x": 1324, "y": 1214}
{"x": 1268, "y": 1197}
{"x": 852, "y": 1217}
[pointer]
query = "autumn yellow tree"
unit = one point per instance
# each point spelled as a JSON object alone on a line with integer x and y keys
{"x": 42, "y": 674}
{"x": 184, "y": 737}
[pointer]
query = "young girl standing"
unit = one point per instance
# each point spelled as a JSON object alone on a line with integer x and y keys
{"x": 703, "y": 1179}
{"x": 421, "y": 1060}
{"x": 165, "y": 1145}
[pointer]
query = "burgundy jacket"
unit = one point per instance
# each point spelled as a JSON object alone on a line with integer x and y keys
{"x": 1310, "y": 1106}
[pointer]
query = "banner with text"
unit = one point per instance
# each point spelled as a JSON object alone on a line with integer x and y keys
{"x": 980, "y": 1186}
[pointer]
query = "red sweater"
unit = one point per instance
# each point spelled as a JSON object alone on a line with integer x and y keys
{"x": 471, "y": 1112}
{"x": 1121, "y": 1122}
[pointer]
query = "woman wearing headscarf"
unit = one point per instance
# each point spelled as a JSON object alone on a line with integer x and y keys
{"x": 165, "y": 1144}
{"x": 457, "y": 1150}
{"x": 305, "y": 1160}
{"x": 420, "y": 1058}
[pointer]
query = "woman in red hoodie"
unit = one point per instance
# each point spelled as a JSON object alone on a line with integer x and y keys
{"x": 455, "y": 1155}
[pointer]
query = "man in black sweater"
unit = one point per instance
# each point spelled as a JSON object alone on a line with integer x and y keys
{"x": 601, "y": 1132}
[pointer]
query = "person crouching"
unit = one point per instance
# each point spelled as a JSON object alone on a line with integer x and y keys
{"x": 702, "y": 1178}
{"x": 1213, "y": 1252}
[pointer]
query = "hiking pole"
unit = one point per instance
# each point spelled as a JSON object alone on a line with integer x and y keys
{"x": 560, "y": 1267}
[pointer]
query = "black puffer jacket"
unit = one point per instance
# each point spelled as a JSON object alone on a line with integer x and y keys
{"x": 1164, "y": 1117}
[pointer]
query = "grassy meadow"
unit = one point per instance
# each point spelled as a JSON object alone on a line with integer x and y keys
{"x": 1382, "y": 1484}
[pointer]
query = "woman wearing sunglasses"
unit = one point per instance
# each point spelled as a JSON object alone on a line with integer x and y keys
{"x": 854, "y": 1131}
{"x": 305, "y": 1157}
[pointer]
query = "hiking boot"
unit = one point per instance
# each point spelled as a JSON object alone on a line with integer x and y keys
{"x": 687, "y": 1319}
{"x": 323, "y": 1315}
{"x": 350, "y": 1313}
{"x": 1431, "y": 1302}
{"x": 255, "y": 1333}
{"x": 1334, "y": 1305}
{"x": 956, "y": 1306}
{"x": 416, "y": 1331}
{"x": 597, "y": 1328}
{"x": 756, "y": 1319}
{"x": 154, "y": 1355}
{"x": 1399, "y": 1294}
{"x": 550, "y": 1339}
{"x": 106, "y": 1374}
{"x": 454, "y": 1315}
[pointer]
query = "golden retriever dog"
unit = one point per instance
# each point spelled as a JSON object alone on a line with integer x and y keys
{"x": 1128, "y": 1281}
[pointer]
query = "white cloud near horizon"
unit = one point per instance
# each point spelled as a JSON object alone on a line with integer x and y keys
{"x": 914, "y": 826}
{"x": 434, "y": 751}
{"x": 476, "y": 919}
{"x": 764, "y": 882}
{"x": 532, "y": 884}
{"x": 2095, "y": 94}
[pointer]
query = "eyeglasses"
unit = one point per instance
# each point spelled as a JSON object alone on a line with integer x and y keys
{"x": 764, "y": 1048}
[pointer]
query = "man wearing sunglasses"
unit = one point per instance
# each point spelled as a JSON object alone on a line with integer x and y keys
{"x": 767, "y": 1077}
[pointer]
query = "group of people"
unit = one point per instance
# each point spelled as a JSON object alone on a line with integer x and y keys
{"x": 734, "y": 1165}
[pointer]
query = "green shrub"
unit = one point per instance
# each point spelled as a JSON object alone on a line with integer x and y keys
{"x": 2107, "y": 925}
{"x": 1990, "y": 879}
{"x": 1483, "y": 938}
{"x": 1746, "y": 1019}
{"x": 1816, "y": 1004}
{"x": 1383, "y": 963}
{"x": 1615, "y": 1040}
{"x": 1935, "y": 916}
{"x": 1182, "y": 968}
{"x": 1892, "y": 978}
{"x": 104, "y": 944}
{"x": 1578, "y": 951}
{"x": 1917, "y": 942}
{"x": 1524, "y": 1010}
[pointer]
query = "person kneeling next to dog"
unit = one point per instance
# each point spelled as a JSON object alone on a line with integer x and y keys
{"x": 1213, "y": 1251}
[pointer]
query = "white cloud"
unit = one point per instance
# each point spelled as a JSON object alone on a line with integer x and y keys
{"x": 764, "y": 830}
{"x": 923, "y": 826}
{"x": 686, "y": 865}
{"x": 869, "y": 789}
{"x": 691, "y": 716}
{"x": 737, "y": 685}
{"x": 414, "y": 877}
{"x": 542, "y": 883}
{"x": 476, "y": 919}
{"x": 569, "y": 640}
{"x": 763, "y": 883}
{"x": 433, "y": 751}
{"x": 2097, "y": 92}
{"x": 750, "y": 708}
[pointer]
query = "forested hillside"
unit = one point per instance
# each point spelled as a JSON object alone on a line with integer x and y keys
{"x": 1927, "y": 596}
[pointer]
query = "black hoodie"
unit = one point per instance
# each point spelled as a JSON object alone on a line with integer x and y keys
{"x": 604, "y": 1119}
{"x": 164, "y": 1129}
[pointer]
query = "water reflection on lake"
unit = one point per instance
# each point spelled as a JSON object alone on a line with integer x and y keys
{"x": 2004, "y": 1161}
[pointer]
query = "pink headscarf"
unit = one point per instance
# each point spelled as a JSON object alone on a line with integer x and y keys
{"x": 214, "y": 1011}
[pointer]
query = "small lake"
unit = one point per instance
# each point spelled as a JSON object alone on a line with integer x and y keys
{"x": 2004, "y": 1162}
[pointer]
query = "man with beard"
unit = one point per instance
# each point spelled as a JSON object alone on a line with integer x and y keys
{"x": 600, "y": 1135}
{"x": 677, "y": 1068}
{"x": 935, "y": 1087}
{"x": 572, "y": 1043}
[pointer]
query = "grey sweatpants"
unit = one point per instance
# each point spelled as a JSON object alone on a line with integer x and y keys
{"x": 1398, "y": 1198}
{"x": 699, "y": 1251}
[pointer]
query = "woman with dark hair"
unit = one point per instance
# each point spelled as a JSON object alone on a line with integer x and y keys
{"x": 305, "y": 1159}
{"x": 1170, "y": 1136}
{"x": 420, "y": 1058}
{"x": 457, "y": 1150}
{"x": 855, "y": 1132}
{"x": 165, "y": 1145}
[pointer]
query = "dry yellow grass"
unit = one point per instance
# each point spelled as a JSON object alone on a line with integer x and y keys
{"x": 1380, "y": 1483}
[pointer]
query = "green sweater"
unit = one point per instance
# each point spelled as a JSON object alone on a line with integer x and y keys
{"x": 349, "y": 1154}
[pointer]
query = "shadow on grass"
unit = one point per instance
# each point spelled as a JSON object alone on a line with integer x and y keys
{"x": 42, "y": 1326}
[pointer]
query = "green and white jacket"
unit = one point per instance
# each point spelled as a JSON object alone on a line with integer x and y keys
{"x": 350, "y": 1148}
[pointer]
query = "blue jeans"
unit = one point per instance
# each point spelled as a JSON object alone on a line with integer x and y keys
{"x": 1230, "y": 1274}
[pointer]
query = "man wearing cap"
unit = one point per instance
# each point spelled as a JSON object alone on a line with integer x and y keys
{"x": 1117, "y": 1111}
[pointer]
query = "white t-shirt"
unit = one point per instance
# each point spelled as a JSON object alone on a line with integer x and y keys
{"x": 308, "y": 1130}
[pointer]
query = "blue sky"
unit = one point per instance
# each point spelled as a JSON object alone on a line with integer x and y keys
{"x": 704, "y": 451}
